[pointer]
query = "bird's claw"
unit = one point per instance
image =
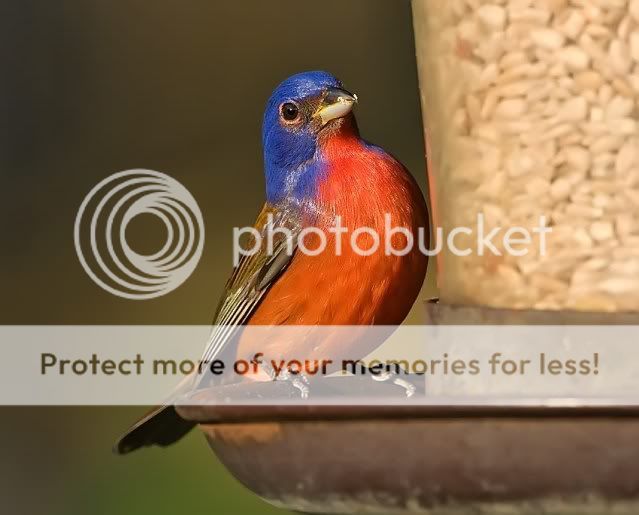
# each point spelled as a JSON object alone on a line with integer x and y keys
{"x": 296, "y": 380}
{"x": 299, "y": 381}
{"x": 384, "y": 377}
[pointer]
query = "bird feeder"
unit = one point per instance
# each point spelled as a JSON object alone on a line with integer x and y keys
{"x": 531, "y": 112}
{"x": 569, "y": 459}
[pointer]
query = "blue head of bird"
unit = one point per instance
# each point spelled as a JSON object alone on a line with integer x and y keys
{"x": 302, "y": 111}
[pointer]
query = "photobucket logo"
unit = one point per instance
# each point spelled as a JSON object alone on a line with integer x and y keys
{"x": 101, "y": 225}
{"x": 393, "y": 240}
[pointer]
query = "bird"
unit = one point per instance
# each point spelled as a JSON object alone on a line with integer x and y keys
{"x": 317, "y": 168}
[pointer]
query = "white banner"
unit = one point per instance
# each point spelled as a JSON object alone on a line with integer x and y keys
{"x": 469, "y": 365}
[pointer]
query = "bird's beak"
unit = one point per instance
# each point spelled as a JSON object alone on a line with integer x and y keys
{"x": 337, "y": 103}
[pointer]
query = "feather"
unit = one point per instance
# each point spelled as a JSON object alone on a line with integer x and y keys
{"x": 254, "y": 275}
{"x": 247, "y": 285}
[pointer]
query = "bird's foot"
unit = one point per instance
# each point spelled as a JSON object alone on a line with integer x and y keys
{"x": 394, "y": 378}
{"x": 299, "y": 381}
{"x": 296, "y": 380}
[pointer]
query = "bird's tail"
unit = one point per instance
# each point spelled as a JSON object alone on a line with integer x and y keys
{"x": 161, "y": 426}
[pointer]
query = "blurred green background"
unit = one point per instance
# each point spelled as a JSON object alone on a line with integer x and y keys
{"x": 91, "y": 87}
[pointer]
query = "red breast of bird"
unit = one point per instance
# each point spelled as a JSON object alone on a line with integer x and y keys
{"x": 367, "y": 188}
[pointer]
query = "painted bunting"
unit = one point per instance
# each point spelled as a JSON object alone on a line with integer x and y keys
{"x": 318, "y": 169}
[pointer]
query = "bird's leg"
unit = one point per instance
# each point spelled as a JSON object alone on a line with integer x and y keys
{"x": 296, "y": 380}
{"x": 393, "y": 377}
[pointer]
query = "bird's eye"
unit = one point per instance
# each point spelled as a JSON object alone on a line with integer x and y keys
{"x": 290, "y": 111}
